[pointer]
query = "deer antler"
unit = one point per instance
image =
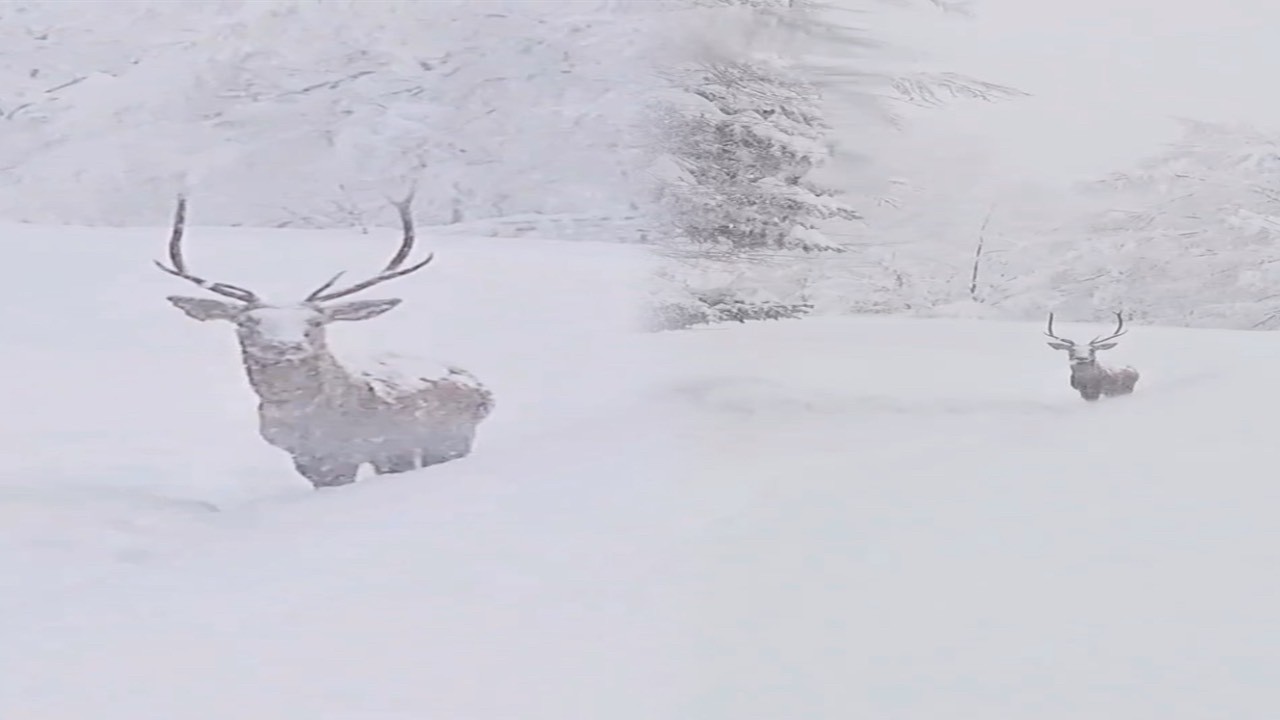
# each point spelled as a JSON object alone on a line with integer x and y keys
{"x": 391, "y": 271}
{"x": 179, "y": 268}
{"x": 1049, "y": 332}
{"x": 1119, "y": 331}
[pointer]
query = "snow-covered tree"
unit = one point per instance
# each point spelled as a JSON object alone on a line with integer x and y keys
{"x": 739, "y": 135}
{"x": 1190, "y": 237}
{"x": 740, "y": 152}
{"x": 746, "y": 139}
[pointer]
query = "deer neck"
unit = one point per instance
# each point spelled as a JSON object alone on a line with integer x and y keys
{"x": 306, "y": 382}
{"x": 1086, "y": 369}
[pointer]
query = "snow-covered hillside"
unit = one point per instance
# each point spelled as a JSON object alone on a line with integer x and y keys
{"x": 304, "y": 114}
{"x": 160, "y": 560}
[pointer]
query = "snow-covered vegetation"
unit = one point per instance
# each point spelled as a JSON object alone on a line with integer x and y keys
{"x": 743, "y": 135}
{"x": 1190, "y": 236}
{"x": 1179, "y": 232}
{"x": 306, "y": 114}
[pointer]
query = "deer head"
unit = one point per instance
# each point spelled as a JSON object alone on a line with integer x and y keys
{"x": 289, "y": 332}
{"x": 1085, "y": 354}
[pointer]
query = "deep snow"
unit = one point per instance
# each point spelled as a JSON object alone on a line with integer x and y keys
{"x": 926, "y": 522}
{"x": 825, "y": 518}
{"x": 160, "y": 560}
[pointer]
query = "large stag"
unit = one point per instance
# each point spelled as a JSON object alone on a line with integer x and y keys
{"x": 1089, "y": 377}
{"x": 329, "y": 417}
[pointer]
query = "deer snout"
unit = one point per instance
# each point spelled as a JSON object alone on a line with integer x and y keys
{"x": 282, "y": 333}
{"x": 276, "y": 348}
{"x": 1080, "y": 356}
{"x": 282, "y": 349}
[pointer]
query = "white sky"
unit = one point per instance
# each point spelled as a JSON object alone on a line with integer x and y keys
{"x": 1106, "y": 76}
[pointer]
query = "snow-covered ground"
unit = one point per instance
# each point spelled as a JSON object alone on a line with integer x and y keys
{"x": 920, "y": 520}
{"x": 897, "y": 519}
{"x": 825, "y": 518}
{"x": 158, "y": 559}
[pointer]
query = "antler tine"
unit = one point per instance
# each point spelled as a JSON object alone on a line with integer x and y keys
{"x": 393, "y": 268}
{"x": 1119, "y": 331}
{"x": 320, "y": 290}
{"x": 1049, "y": 332}
{"x": 365, "y": 284}
{"x": 404, "y": 209}
{"x": 232, "y": 291}
{"x": 179, "y": 268}
{"x": 175, "y": 237}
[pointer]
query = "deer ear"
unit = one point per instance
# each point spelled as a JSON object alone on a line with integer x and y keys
{"x": 1104, "y": 346}
{"x": 358, "y": 310}
{"x": 205, "y": 308}
{"x": 1059, "y": 346}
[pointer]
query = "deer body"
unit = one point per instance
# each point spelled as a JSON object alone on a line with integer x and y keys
{"x": 330, "y": 416}
{"x": 333, "y": 418}
{"x": 1089, "y": 377}
{"x": 1093, "y": 380}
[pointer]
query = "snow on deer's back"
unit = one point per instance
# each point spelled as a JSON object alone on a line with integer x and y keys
{"x": 394, "y": 376}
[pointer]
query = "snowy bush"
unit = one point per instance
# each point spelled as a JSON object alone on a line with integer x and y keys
{"x": 722, "y": 307}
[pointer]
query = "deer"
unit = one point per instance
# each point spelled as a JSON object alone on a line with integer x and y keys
{"x": 330, "y": 417}
{"x": 1089, "y": 377}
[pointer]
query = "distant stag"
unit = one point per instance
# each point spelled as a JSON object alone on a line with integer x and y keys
{"x": 332, "y": 418}
{"x": 1089, "y": 377}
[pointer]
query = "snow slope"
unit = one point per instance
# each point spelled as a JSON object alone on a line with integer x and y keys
{"x": 920, "y": 520}
{"x": 157, "y": 559}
